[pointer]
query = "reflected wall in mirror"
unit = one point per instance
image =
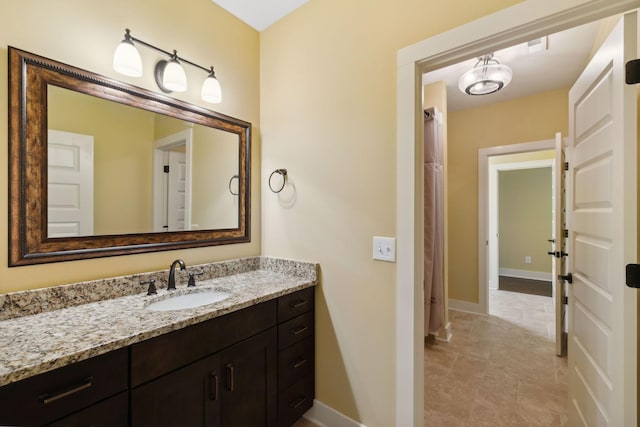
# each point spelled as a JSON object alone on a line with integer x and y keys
{"x": 99, "y": 167}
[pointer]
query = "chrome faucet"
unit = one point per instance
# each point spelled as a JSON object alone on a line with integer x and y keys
{"x": 172, "y": 273}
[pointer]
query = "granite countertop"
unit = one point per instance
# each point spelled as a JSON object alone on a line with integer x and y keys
{"x": 41, "y": 342}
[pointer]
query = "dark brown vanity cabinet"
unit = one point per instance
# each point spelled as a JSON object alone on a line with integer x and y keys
{"x": 233, "y": 385}
{"x": 296, "y": 356}
{"x": 91, "y": 392}
{"x": 249, "y": 368}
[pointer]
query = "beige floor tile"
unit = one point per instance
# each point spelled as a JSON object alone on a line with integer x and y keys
{"x": 498, "y": 370}
{"x": 302, "y": 422}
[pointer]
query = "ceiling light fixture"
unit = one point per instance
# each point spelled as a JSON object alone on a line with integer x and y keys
{"x": 487, "y": 76}
{"x": 169, "y": 74}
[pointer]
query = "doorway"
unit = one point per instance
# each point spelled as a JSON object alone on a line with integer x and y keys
{"x": 521, "y": 22}
{"x": 172, "y": 166}
{"x": 491, "y": 162}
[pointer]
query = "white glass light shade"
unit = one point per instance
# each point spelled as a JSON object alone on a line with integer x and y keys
{"x": 126, "y": 59}
{"x": 485, "y": 79}
{"x": 174, "y": 77}
{"x": 211, "y": 90}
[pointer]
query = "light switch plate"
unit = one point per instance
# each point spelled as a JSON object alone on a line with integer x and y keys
{"x": 384, "y": 248}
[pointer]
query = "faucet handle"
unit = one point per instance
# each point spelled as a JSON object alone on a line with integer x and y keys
{"x": 152, "y": 286}
{"x": 192, "y": 280}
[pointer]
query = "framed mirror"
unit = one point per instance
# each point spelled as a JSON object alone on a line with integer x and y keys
{"x": 99, "y": 168}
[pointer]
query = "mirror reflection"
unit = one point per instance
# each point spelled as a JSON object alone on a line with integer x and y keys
{"x": 87, "y": 156}
{"x": 116, "y": 169}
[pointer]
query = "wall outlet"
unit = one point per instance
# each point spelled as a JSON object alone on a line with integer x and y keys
{"x": 527, "y": 260}
{"x": 384, "y": 248}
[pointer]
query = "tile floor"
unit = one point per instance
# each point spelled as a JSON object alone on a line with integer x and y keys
{"x": 498, "y": 370}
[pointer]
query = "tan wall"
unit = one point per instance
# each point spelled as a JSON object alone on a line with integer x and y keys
{"x": 524, "y": 225}
{"x": 215, "y": 161}
{"x": 122, "y": 138}
{"x": 85, "y": 34}
{"x": 328, "y": 115}
{"x": 523, "y": 120}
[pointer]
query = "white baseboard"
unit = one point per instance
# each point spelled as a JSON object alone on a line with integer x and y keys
{"x": 525, "y": 274}
{"x": 470, "y": 307}
{"x": 444, "y": 334}
{"x": 325, "y": 416}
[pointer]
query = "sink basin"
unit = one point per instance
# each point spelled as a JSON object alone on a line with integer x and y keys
{"x": 192, "y": 300}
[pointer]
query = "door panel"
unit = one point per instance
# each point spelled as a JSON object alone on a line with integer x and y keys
{"x": 602, "y": 237}
{"x": 249, "y": 393}
{"x": 177, "y": 191}
{"x": 69, "y": 184}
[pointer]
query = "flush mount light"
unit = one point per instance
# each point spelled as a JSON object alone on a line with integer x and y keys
{"x": 487, "y": 76}
{"x": 169, "y": 74}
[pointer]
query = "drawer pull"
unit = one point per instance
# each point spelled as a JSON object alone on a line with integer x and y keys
{"x": 298, "y": 303}
{"x": 298, "y": 363}
{"x": 299, "y": 330}
{"x": 230, "y": 375}
{"x": 67, "y": 391}
{"x": 297, "y": 403}
{"x": 213, "y": 386}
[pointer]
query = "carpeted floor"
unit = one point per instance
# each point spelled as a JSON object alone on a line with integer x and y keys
{"x": 525, "y": 286}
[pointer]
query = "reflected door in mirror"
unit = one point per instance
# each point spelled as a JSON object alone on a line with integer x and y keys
{"x": 70, "y": 184}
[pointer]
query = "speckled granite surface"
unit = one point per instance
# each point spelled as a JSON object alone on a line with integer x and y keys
{"x": 108, "y": 314}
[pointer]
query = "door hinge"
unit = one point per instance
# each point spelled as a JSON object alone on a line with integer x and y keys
{"x": 166, "y": 169}
{"x": 566, "y": 233}
{"x": 633, "y": 275}
{"x": 632, "y": 72}
{"x": 565, "y": 300}
{"x": 565, "y": 278}
{"x": 566, "y": 166}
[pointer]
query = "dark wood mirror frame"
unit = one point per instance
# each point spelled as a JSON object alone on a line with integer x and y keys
{"x": 29, "y": 76}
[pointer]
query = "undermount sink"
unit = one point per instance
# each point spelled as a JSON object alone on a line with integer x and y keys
{"x": 185, "y": 301}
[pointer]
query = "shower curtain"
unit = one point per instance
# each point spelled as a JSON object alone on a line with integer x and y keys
{"x": 433, "y": 222}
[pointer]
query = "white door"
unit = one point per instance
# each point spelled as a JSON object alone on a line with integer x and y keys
{"x": 558, "y": 261}
{"x": 172, "y": 190}
{"x": 69, "y": 184}
{"x": 602, "y": 237}
{"x": 176, "y": 200}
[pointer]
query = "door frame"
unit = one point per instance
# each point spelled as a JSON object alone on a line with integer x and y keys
{"x": 524, "y": 21}
{"x": 160, "y": 146}
{"x": 484, "y": 207}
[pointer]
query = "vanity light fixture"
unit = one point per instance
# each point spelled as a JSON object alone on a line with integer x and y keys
{"x": 487, "y": 76}
{"x": 169, "y": 74}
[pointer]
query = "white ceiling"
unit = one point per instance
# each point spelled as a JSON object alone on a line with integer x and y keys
{"x": 557, "y": 67}
{"x": 259, "y": 13}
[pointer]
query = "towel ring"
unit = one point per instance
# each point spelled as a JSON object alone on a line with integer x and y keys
{"x": 230, "y": 181}
{"x": 282, "y": 172}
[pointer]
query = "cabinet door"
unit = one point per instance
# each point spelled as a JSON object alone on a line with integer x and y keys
{"x": 188, "y": 397}
{"x": 249, "y": 394}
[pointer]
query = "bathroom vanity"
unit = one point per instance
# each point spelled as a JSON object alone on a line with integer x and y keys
{"x": 245, "y": 361}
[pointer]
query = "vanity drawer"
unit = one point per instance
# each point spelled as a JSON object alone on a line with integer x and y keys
{"x": 52, "y": 395}
{"x": 111, "y": 412}
{"x": 296, "y": 362}
{"x": 292, "y": 305}
{"x": 295, "y": 401}
{"x": 294, "y": 330}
